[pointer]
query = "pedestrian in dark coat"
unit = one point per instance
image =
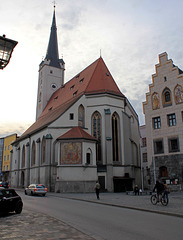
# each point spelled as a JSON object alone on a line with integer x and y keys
{"x": 97, "y": 189}
{"x": 136, "y": 190}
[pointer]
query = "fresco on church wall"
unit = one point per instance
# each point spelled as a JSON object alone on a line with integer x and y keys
{"x": 178, "y": 92}
{"x": 155, "y": 101}
{"x": 71, "y": 153}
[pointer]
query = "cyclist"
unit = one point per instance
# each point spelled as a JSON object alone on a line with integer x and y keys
{"x": 159, "y": 187}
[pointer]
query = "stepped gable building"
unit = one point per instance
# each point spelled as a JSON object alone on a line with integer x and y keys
{"x": 85, "y": 130}
{"x": 163, "y": 111}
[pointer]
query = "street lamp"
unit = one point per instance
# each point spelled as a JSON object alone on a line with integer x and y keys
{"x": 6, "y": 49}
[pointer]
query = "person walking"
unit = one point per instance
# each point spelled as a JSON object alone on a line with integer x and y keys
{"x": 97, "y": 189}
{"x": 136, "y": 190}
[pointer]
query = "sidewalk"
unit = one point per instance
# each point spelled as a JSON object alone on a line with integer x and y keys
{"x": 33, "y": 226}
{"x": 37, "y": 226}
{"x": 142, "y": 203}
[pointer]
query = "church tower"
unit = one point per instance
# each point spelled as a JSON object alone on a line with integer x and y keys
{"x": 51, "y": 71}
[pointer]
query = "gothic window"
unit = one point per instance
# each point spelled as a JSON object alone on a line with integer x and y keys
{"x": 96, "y": 132}
{"x": 23, "y": 157}
{"x": 178, "y": 92}
{"x": 115, "y": 137}
{"x": 166, "y": 97}
{"x": 43, "y": 150}
{"x": 33, "y": 153}
{"x": 81, "y": 115}
{"x": 89, "y": 156}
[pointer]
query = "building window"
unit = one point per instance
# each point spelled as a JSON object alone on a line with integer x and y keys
{"x": 33, "y": 153}
{"x": 173, "y": 144}
{"x": 165, "y": 79}
{"x": 115, "y": 137}
{"x": 23, "y": 157}
{"x": 166, "y": 97}
{"x": 171, "y": 120}
{"x": 158, "y": 146}
{"x": 7, "y": 157}
{"x": 144, "y": 143}
{"x": 96, "y": 132}
{"x": 43, "y": 150}
{"x": 4, "y": 158}
{"x": 144, "y": 157}
{"x": 81, "y": 115}
{"x": 71, "y": 116}
{"x": 156, "y": 123}
{"x": 88, "y": 158}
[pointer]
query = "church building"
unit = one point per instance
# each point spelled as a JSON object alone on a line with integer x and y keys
{"x": 85, "y": 130}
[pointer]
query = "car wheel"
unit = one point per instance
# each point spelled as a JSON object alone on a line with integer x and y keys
{"x": 25, "y": 192}
{"x": 43, "y": 194}
{"x": 32, "y": 193}
{"x": 18, "y": 208}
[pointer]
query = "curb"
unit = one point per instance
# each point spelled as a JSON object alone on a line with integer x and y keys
{"x": 122, "y": 206}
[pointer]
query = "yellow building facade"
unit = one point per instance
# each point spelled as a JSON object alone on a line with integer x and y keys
{"x": 7, "y": 155}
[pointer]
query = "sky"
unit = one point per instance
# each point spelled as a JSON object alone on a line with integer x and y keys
{"x": 129, "y": 35}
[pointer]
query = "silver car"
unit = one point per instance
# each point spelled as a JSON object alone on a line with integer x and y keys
{"x": 36, "y": 189}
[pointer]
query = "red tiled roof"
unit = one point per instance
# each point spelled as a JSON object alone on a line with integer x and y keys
{"x": 95, "y": 79}
{"x": 76, "y": 133}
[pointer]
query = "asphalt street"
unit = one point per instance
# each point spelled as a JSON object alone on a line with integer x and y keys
{"x": 34, "y": 225}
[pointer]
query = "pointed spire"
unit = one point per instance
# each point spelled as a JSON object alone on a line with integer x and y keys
{"x": 52, "y": 51}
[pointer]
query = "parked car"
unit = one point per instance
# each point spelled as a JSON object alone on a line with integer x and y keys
{"x": 10, "y": 201}
{"x": 4, "y": 184}
{"x": 36, "y": 189}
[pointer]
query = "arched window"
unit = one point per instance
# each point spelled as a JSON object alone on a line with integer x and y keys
{"x": 43, "y": 150}
{"x": 115, "y": 137}
{"x": 33, "y": 153}
{"x": 23, "y": 156}
{"x": 166, "y": 97}
{"x": 96, "y": 132}
{"x": 81, "y": 116}
{"x": 88, "y": 156}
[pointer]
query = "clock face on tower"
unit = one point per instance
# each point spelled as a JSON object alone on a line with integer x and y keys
{"x": 54, "y": 86}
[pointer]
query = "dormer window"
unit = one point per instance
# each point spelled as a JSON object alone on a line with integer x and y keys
{"x": 107, "y": 74}
{"x": 71, "y": 87}
{"x": 81, "y": 80}
{"x": 77, "y": 76}
{"x": 55, "y": 98}
{"x": 50, "y": 109}
{"x": 74, "y": 94}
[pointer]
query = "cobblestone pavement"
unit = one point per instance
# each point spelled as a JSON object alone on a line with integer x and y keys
{"x": 32, "y": 226}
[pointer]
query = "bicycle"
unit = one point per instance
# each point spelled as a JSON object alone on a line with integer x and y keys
{"x": 162, "y": 198}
